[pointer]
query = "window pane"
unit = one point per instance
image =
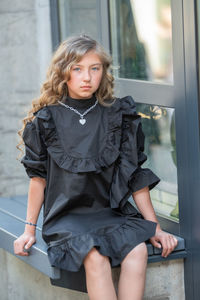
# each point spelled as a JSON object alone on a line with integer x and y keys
{"x": 76, "y": 17}
{"x": 141, "y": 39}
{"x": 160, "y": 147}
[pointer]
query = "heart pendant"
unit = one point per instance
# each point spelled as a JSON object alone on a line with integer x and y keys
{"x": 82, "y": 121}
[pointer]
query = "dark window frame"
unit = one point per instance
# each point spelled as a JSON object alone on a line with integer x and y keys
{"x": 55, "y": 27}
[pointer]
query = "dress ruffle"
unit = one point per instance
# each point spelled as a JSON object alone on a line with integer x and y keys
{"x": 64, "y": 160}
{"x": 116, "y": 243}
{"x": 128, "y": 175}
{"x": 124, "y": 145}
{"x": 35, "y": 158}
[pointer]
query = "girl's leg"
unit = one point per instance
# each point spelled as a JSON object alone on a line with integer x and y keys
{"x": 99, "y": 277}
{"x": 133, "y": 273}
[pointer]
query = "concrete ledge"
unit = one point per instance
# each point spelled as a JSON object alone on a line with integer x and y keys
{"x": 164, "y": 280}
{"x": 12, "y": 218}
{"x": 38, "y": 255}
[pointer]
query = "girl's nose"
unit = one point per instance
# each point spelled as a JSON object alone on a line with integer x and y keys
{"x": 86, "y": 75}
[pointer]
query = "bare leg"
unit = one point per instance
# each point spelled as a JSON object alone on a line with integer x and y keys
{"x": 133, "y": 273}
{"x": 99, "y": 277}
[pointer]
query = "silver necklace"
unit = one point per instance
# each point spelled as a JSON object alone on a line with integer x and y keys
{"x": 82, "y": 120}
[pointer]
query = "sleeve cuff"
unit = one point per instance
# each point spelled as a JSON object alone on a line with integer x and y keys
{"x": 142, "y": 178}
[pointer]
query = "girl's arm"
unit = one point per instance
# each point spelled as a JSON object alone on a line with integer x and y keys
{"x": 35, "y": 201}
{"x": 143, "y": 202}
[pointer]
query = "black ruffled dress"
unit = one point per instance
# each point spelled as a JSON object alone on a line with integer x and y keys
{"x": 91, "y": 170}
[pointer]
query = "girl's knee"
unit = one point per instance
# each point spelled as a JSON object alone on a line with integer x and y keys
{"x": 138, "y": 256}
{"x": 94, "y": 261}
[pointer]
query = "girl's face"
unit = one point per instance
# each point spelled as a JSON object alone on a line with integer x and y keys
{"x": 85, "y": 76}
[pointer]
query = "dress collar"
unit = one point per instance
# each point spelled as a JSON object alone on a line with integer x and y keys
{"x": 79, "y": 103}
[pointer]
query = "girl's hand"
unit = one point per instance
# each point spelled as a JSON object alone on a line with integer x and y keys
{"x": 164, "y": 240}
{"x": 23, "y": 243}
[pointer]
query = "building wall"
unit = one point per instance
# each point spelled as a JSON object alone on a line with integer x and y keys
{"x": 25, "y": 51}
{"x": 20, "y": 281}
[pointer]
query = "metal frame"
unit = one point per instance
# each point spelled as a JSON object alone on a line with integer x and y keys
{"x": 103, "y": 23}
{"x": 190, "y": 223}
{"x": 55, "y": 27}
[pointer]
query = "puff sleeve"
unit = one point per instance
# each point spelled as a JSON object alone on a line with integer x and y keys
{"x": 35, "y": 158}
{"x": 129, "y": 176}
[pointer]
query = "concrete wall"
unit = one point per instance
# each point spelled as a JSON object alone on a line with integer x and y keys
{"x": 20, "y": 281}
{"x": 25, "y": 50}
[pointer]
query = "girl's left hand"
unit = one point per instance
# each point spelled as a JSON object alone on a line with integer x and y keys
{"x": 164, "y": 240}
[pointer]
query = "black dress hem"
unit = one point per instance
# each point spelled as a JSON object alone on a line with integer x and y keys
{"x": 69, "y": 254}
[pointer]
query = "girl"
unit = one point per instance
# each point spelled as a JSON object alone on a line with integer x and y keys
{"x": 84, "y": 150}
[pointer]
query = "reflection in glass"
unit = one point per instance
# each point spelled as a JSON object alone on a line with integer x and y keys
{"x": 77, "y": 17}
{"x": 160, "y": 146}
{"x": 141, "y": 39}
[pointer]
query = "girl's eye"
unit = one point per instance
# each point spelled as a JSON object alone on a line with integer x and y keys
{"x": 76, "y": 69}
{"x": 95, "y": 68}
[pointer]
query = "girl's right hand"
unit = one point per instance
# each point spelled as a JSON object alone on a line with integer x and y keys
{"x": 23, "y": 243}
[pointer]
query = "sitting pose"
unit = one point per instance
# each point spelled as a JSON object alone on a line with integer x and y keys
{"x": 83, "y": 154}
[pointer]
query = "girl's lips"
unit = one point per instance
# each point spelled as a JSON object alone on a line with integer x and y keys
{"x": 86, "y": 87}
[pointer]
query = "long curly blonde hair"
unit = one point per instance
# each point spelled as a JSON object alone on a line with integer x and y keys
{"x": 55, "y": 88}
